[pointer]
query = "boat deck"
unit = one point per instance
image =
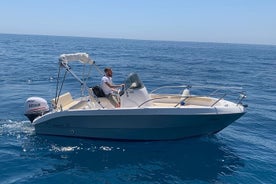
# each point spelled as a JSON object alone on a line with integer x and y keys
{"x": 66, "y": 102}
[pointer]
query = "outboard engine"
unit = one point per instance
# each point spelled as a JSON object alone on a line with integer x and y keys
{"x": 34, "y": 107}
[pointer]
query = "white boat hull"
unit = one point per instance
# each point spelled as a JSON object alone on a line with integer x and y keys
{"x": 136, "y": 124}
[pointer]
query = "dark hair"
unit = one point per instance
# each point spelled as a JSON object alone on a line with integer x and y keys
{"x": 106, "y": 69}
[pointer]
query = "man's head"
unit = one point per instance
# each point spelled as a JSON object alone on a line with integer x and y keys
{"x": 108, "y": 72}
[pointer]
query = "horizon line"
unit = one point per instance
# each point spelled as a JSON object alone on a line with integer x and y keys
{"x": 137, "y": 39}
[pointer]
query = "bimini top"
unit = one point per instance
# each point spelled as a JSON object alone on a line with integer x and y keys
{"x": 81, "y": 57}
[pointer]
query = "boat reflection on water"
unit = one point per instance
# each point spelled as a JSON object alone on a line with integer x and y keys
{"x": 198, "y": 159}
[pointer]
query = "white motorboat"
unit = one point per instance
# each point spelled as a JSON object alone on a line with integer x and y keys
{"x": 142, "y": 115}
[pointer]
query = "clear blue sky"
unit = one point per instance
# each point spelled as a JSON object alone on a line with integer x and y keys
{"x": 230, "y": 21}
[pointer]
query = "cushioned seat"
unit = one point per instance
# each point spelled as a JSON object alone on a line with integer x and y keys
{"x": 65, "y": 101}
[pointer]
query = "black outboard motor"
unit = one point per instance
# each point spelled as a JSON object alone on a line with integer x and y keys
{"x": 34, "y": 107}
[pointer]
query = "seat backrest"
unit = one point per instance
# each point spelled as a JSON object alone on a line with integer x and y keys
{"x": 98, "y": 91}
{"x": 63, "y": 100}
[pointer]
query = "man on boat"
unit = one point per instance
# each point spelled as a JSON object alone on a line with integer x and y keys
{"x": 110, "y": 89}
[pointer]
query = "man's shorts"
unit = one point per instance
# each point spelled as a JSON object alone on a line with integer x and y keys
{"x": 114, "y": 99}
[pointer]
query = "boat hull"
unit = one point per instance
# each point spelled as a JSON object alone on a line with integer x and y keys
{"x": 138, "y": 125}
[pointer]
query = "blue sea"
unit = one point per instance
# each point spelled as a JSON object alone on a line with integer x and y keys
{"x": 244, "y": 152}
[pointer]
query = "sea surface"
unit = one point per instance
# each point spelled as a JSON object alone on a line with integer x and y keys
{"x": 244, "y": 152}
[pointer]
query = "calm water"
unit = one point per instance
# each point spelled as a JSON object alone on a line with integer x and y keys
{"x": 244, "y": 152}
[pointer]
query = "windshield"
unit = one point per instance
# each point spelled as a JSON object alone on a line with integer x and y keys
{"x": 133, "y": 82}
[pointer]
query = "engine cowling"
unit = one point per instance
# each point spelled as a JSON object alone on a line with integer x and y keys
{"x": 34, "y": 107}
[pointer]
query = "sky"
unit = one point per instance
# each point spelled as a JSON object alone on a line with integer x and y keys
{"x": 225, "y": 21}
